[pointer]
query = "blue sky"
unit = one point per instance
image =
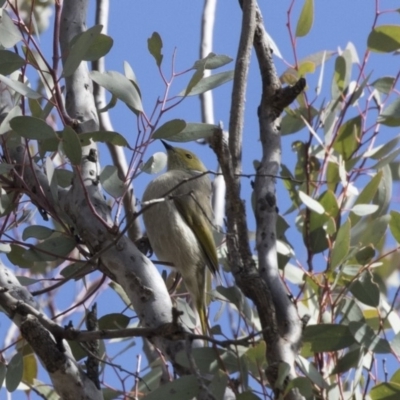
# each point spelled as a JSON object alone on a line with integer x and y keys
{"x": 178, "y": 22}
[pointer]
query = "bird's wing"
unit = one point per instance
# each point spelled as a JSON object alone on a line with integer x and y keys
{"x": 198, "y": 216}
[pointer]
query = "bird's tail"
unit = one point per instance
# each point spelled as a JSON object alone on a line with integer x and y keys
{"x": 201, "y": 309}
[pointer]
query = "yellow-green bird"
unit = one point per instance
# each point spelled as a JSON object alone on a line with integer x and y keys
{"x": 179, "y": 228}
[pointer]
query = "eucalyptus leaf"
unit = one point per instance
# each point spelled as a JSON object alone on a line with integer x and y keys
{"x": 306, "y": 19}
{"x": 20, "y": 87}
{"x": 213, "y": 61}
{"x": 155, "y": 45}
{"x": 111, "y": 182}
{"x": 366, "y": 290}
{"x": 32, "y": 128}
{"x": 194, "y": 131}
{"x": 207, "y": 83}
{"x": 72, "y": 145}
{"x": 10, "y": 61}
{"x": 15, "y": 369}
{"x": 9, "y": 33}
{"x": 121, "y": 87}
{"x": 79, "y": 48}
{"x": 310, "y": 203}
{"x": 156, "y": 163}
{"x": 111, "y": 137}
{"x": 169, "y": 129}
{"x": 384, "y": 39}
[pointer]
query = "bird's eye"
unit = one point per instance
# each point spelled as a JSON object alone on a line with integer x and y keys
{"x": 189, "y": 156}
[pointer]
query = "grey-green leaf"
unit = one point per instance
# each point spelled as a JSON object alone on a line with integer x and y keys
{"x": 10, "y": 62}
{"x": 365, "y": 336}
{"x": 170, "y": 128}
{"x": 50, "y": 249}
{"x": 20, "y": 87}
{"x": 114, "y": 138}
{"x": 213, "y": 61}
{"x": 32, "y": 128}
{"x": 111, "y": 182}
{"x": 14, "y": 372}
{"x": 37, "y": 232}
{"x": 72, "y": 145}
{"x": 155, "y": 45}
{"x": 366, "y": 290}
{"x": 328, "y": 337}
{"x": 9, "y": 33}
{"x": 194, "y": 131}
{"x": 341, "y": 246}
{"x": 184, "y": 388}
{"x": 79, "y": 48}
{"x": 208, "y": 83}
{"x": 155, "y": 163}
{"x": 120, "y": 86}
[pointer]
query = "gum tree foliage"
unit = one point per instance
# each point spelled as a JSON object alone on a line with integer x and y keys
{"x": 313, "y": 313}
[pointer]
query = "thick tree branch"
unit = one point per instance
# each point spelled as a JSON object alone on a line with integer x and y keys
{"x": 273, "y": 101}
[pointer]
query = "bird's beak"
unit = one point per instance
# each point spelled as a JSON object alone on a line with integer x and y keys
{"x": 166, "y": 145}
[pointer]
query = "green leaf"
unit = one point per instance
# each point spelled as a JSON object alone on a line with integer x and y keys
{"x": 10, "y": 62}
{"x": 79, "y": 47}
{"x": 194, "y": 131}
{"x": 290, "y": 76}
{"x": 348, "y": 137}
{"x": 342, "y": 74}
{"x": 32, "y": 128}
{"x": 390, "y": 116}
{"x": 114, "y": 321}
{"x": 156, "y": 163}
{"x": 350, "y": 360}
{"x": 111, "y": 183}
{"x": 247, "y": 395}
{"x": 218, "y": 384}
{"x": 366, "y": 337}
{"x": 194, "y": 80}
{"x": 366, "y": 195}
{"x": 394, "y": 225}
{"x": 37, "y": 232}
{"x": 121, "y": 87}
{"x": 15, "y": 369}
{"x": 385, "y": 391}
{"x": 3, "y": 371}
{"x": 341, "y": 246}
{"x": 15, "y": 256}
{"x": 302, "y": 384}
{"x": 103, "y": 136}
{"x": 50, "y": 249}
{"x": 255, "y": 357}
{"x": 384, "y": 84}
{"x": 310, "y": 203}
{"x": 9, "y": 33}
{"x": 207, "y": 83}
{"x": 366, "y": 290}
{"x": 369, "y": 231}
{"x": 184, "y": 388}
{"x": 384, "y": 39}
{"x": 155, "y": 45}
{"x": 292, "y": 121}
{"x": 101, "y": 45}
{"x": 20, "y": 87}
{"x": 212, "y": 61}
{"x": 170, "y": 128}
{"x": 311, "y": 372}
{"x": 305, "y": 21}
{"x": 71, "y": 145}
{"x": 328, "y": 337}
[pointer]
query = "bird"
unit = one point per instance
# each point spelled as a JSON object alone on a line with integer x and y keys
{"x": 179, "y": 228}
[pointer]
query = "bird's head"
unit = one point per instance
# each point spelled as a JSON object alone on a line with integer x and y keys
{"x": 182, "y": 159}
